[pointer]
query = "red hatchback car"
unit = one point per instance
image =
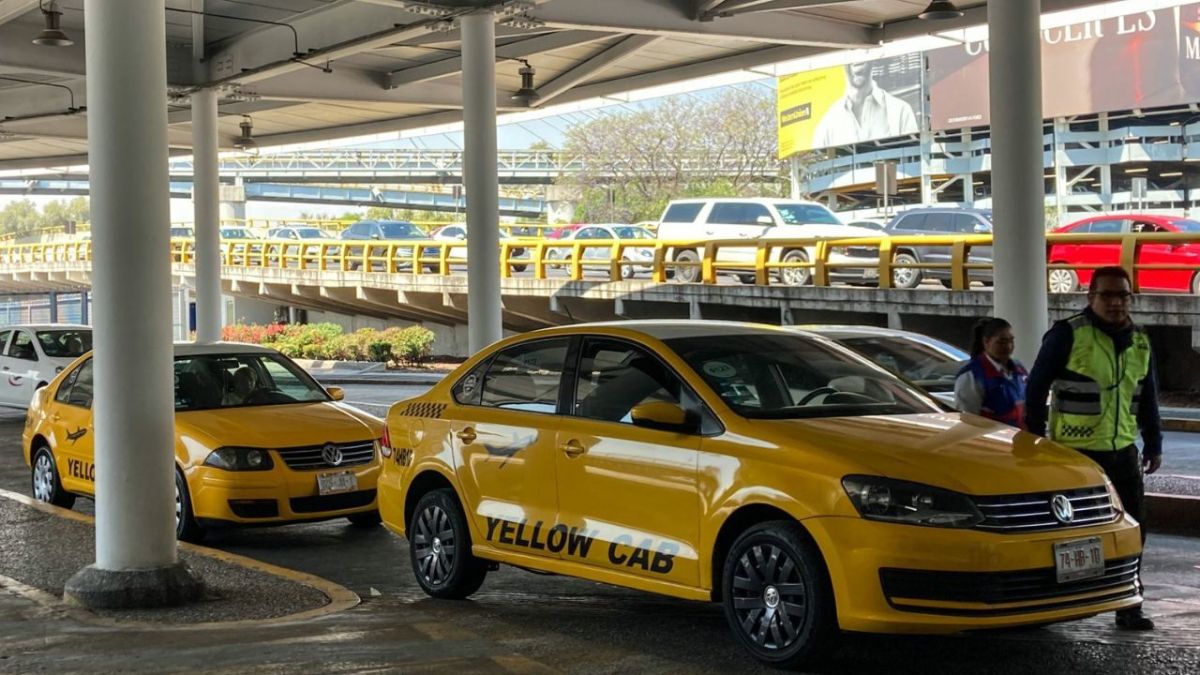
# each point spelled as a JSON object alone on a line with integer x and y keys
{"x": 1178, "y": 281}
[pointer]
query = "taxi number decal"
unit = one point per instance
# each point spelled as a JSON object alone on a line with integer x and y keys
{"x": 578, "y": 543}
{"x": 77, "y": 468}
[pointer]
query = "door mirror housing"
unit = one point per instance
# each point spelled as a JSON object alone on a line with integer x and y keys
{"x": 983, "y": 228}
{"x": 664, "y": 417}
{"x": 765, "y": 220}
{"x": 336, "y": 393}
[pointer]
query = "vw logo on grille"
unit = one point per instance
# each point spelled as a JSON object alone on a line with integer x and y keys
{"x": 332, "y": 454}
{"x": 1061, "y": 506}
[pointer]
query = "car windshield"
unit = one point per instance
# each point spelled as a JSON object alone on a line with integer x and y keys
{"x": 1186, "y": 225}
{"x": 65, "y": 344}
{"x": 633, "y": 233}
{"x": 235, "y": 233}
{"x": 781, "y": 376}
{"x": 211, "y": 381}
{"x": 401, "y": 231}
{"x": 310, "y": 233}
{"x": 931, "y": 365}
{"x": 806, "y": 214}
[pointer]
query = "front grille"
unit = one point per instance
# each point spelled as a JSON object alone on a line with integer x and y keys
{"x": 254, "y": 508}
{"x": 311, "y": 457}
{"x": 862, "y": 252}
{"x": 1033, "y": 512}
{"x": 338, "y": 502}
{"x": 1038, "y": 586}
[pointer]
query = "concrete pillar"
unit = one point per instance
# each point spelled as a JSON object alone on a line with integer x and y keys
{"x": 83, "y": 308}
{"x": 52, "y": 297}
{"x": 133, "y": 409}
{"x": 233, "y": 202}
{"x": 1018, "y": 189}
{"x": 206, "y": 202}
{"x": 927, "y": 193}
{"x": 183, "y": 302}
{"x": 794, "y": 174}
{"x": 480, "y": 178}
{"x": 1106, "y": 186}
{"x": 1061, "y": 127}
{"x": 968, "y": 178}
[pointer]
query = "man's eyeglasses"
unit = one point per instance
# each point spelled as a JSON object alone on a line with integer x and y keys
{"x": 1122, "y": 296}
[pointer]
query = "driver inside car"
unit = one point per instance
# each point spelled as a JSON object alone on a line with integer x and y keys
{"x": 242, "y": 385}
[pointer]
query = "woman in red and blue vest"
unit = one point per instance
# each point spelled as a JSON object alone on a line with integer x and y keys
{"x": 992, "y": 383}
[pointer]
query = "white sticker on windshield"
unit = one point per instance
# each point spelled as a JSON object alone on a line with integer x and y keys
{"x": 720, "y": 369}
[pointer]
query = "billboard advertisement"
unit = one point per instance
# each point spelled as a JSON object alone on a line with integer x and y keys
{"x": 1143, "y": 60}
{"x": 854, "y": 103}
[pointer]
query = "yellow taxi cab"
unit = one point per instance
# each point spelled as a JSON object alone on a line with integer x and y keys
{"x": 774, "y": 471}
{"x": 257, "y": 442}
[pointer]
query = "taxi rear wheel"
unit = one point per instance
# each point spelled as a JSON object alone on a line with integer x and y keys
{"x": 186, "y": 527}
{"x": 440, "y": 548}
{"x": 777, "y": 596}
{"x": 46, "y": 486}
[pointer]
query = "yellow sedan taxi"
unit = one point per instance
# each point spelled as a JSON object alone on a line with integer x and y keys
{"x": 802, "y": 486}
{"x": 257, "y": 442}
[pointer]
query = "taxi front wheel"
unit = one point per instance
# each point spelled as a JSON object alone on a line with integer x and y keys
{"x": 777, "y": 596}
{"x": 46, "y": 486}
{"x": 186, "y": 527}
{"x": 440, "y": 548}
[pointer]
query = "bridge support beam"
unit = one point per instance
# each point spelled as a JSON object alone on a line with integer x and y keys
{"x": 134, "y": 415}
{"x": 206, "y": 202}
{"x": 480, "y": 179}
{"x": 1018, "y": 185}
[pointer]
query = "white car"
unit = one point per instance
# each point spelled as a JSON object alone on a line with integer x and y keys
{"x": 753, "y": 219}
{"x": 638, "y": 254}
{"x": 30, "y": 356}
{"x": 458, "y": 232}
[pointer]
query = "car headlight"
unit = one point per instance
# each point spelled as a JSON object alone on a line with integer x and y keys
{"x": 1114, "y": 496}
{"x": 897, "y": 501}
{"x": 240, "y": 459}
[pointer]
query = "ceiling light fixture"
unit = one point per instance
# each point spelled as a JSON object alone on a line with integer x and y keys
{"x": 940, "y": 10}
{"x": 52, "y": 35}
{"x": 526, "y": 95}
{"x": 246, "y": 141}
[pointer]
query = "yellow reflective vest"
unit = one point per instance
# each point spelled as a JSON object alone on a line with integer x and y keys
{"x": 1094, "y": 402}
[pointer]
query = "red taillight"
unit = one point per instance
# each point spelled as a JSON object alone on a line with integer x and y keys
{"x": 385, "y": 443}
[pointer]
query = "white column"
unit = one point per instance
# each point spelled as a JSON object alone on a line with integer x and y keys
{"x": 968, "y": 178}
{"x": 1061, "y": 188}
{"x": 1018, "y": 188}
{"x": 133, "y": 408}
{"x": 480, "y": 178}
{"x": 794, "y": 174}
{"x": 1106, "y": 186}
{"x": 927, "y": 194}
{"x": 206, "y": 201}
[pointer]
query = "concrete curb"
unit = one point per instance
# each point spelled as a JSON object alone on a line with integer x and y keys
{"x": 317, "y": 366}
{"x": 1173, "y": 514}
{"x": 340, "y": 598}
{"x": 1181, "y": 425}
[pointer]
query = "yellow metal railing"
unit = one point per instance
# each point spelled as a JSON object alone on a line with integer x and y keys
{"x": 763, "y": 260}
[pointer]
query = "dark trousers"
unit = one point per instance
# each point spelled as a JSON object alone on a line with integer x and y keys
{"x": 1124, "y": 469}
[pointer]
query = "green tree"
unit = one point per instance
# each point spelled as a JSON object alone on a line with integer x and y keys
{"x": 635, "y": 162}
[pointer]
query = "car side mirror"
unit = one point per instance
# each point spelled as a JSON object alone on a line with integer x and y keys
{"x": 981, "y": 228}
{"x": 663, "y": 416}
{"x": 375, "y": 236}
{"x": 460, "y": 237}
{"x": 336, "y": 393}
{"x": 765, "y": 220}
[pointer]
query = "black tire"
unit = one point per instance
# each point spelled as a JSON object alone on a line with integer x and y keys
{"x": 688, "y": 274}
{"x": 186, "y": 527}
{"x": 795, "y": 276}
{"x": 905, "y": 277}
{"x": 444, "y": 570}
{"x": 44, "y": 480}
{"x": 946, "y": 284}
{"x": 365, "y": 519}
{"x": 627, "y": 271}
{"x": 748, "y": 279}
{"x": 519, "y": 268}
{"x": 771, "y": 563}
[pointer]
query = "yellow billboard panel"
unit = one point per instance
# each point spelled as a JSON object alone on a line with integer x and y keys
{"x": 802, "y": 101}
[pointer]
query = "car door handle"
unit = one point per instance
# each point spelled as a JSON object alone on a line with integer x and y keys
{"x": 467, "y": 436}
{"x": 573, "y": 448}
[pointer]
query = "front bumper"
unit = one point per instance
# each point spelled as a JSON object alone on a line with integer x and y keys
{"x": 280, "y": 495}
{"x": 966, "y": 579}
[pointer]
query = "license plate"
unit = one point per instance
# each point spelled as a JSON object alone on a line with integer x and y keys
{"x": 333, "y": 483}
{"x": 1078, "y": 559}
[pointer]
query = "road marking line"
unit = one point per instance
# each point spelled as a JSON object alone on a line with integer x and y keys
{"x": 340, "y": 597}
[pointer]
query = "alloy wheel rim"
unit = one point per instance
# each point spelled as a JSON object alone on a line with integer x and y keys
{"x": 795, "y": 276}
{"x": 903, "y": 276}
{"x": 178, "y": 506}
{"x": 769, "y": 597}
{"x": 1060, "y": 281}
{"x": 43, "y": 478}
{"x": 434, "y": 546}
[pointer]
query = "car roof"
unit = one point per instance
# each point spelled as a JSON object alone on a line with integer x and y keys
{"x": 942, "y": 209}
{"x": 666, "y": 329}
{"x": 45, "y": 326}
{"x": 746, "y": 200}
{"x": 218, "y": 348}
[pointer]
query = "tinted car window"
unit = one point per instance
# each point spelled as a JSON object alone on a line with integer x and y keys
{"x": 726, "y": 213}
{"x": 395, "y": 230}
{"x": 965, "y": 223}
{"x": 939, "y": 222}
{"x": 4, "y": 341}
{"x": 911, "y": 223}
{"x": 682, "y": 213}
{"x": 22, "y": 347}
{"x": 64, "y": 390}
{"x": 803, "y": 214}
{"x": 208, "y": 381}
{"x": 615, "y": 376}
{"x": 1181, "y": 225}
{"x": 933, "y": 368}
{"x": 65, "y": 343}
{"x": 526, "y": 376}
{"x": 1103, "y": 227}
{"x": 80, "y": 391}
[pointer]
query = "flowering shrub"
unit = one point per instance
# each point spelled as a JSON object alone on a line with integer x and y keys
{"x": 327, "y": 341}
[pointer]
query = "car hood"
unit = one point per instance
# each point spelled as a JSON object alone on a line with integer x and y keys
{"x": 278, "y": 426}
{"x": 966, "y": 453}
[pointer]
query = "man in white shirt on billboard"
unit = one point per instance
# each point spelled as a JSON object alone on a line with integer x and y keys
{"x": 866, "y": 112}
